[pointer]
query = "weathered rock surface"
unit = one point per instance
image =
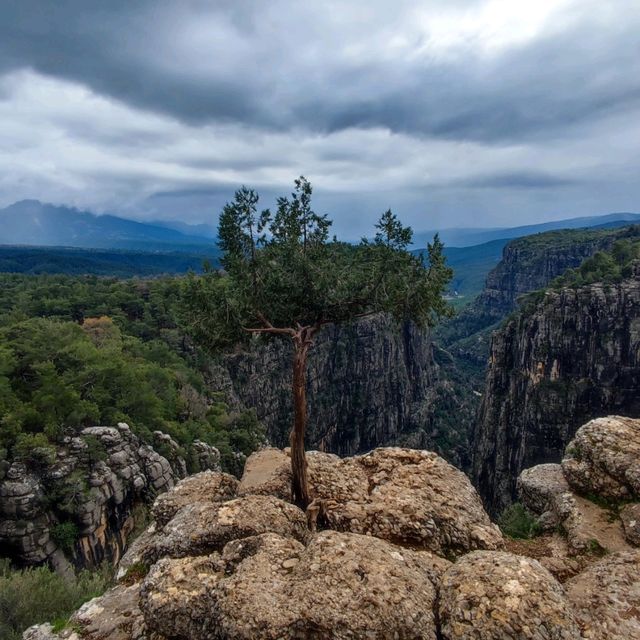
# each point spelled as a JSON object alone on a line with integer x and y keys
{"x": 540, "y": 489}
{"x": 554, "y": 366}
{"x": 207, "y": 486}
{"x": 606, "y": 598}
{"x": 114, "y": 616}
{"x": 604, "y": 458}
{"x": 99, "y": 478}
{"x": 267, "y": 472}
{"x": 401, "y": 495}
{"x": 587, "y": 526}
{"x": 204, "y": 527}
{"x": 269, "y": 587}
{"x": 630, "y": 517}
{"x": 499, "y": 596}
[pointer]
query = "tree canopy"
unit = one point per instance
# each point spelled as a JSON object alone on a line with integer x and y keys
{"x": 282, "y": 270}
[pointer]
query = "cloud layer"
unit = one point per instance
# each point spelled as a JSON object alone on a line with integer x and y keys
{"x": 463, "y": 112}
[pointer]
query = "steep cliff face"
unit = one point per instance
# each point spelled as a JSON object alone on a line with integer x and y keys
{"x": 81, "y": 506}
{"x": 369, "y": 384}
{"x": 527, "y": 264}
{"x": 574, "y": 355}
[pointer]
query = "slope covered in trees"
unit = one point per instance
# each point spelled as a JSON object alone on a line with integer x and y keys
{"x": 83, "y": 351}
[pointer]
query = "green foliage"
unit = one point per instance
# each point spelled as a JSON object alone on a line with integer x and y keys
{"x": 607, "y": 267}
{"x": 135, "y": 573}
{"x": 516, "y": 522}
{"x": 65, "y": 535}
{"x": 37, "y": 595}
{"x": 282, "y": 270}
{"x": 79, "y": 351}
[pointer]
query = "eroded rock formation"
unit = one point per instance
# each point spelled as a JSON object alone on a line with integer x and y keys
{"x": 81, "y": 507}
{"x": 573, "y": 356}
{"x": 246, "y": 567}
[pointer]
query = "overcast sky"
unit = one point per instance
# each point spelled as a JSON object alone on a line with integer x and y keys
{"x": 451, "y": 112}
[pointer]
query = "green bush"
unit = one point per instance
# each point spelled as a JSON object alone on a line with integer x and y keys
{"x": 517, "y": 522}
{"x": 36, "y": 595}
{"x": 65, "y": 535}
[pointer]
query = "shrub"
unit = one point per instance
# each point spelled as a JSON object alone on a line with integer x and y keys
{"x": 64, "y": 535}
{"x": 37, "y": 595}
{"x": 517, "y": 522}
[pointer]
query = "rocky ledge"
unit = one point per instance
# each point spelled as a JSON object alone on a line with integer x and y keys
{"x": 395, "y": 545}
{"x": 80, "y": 507}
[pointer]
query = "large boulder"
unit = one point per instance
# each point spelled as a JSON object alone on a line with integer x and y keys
{"x": 501, "y": 596}
{"x": 604, "y": 458}
{"x": 207, "y": 486}
{"x": 630, "y": 518}
{"x": 401, "y": 495}
{"x": 541, "y": 490}
{"x": 269, "y": 587}
{"x": 606, "y": 598}
{"x": 587, "y": 526}
{"x": 267, "y": 472}
{"x": 204, "y": 527}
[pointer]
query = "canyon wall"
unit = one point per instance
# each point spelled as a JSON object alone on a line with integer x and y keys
{"x": 78, "y": 504}
{"x": 572, "y": 356}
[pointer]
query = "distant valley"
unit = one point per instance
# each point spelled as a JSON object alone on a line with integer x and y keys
{"x": 58, "y": 239}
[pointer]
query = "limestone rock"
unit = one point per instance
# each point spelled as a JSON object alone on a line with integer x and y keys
{"x": 267, "y": 472}
{"x": 205, "y": 526}
{"x": 101, "y": 489}
{"x": 604, "y": 458}
{"x": 40, "y": 632}
{"x": 588, "y": 526}
{"x": 113, "y": 616}
{"x": 116, "y": 615}
{"x": 539, "y": 489}
{"x": 268, "y": 587}
{"x": 501, "y": 596}
{"x": 630, "y": 517}
{"x": 207, "y": 486}
{"x": 606, "y": 598}
{"x": 403, "y": 495}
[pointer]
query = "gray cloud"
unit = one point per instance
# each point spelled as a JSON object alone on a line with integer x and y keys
{"x": 276, "y": 66}
{"x": 469, "y": 109}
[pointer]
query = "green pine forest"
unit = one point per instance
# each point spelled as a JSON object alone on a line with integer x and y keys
{"x": 77, "y": 351}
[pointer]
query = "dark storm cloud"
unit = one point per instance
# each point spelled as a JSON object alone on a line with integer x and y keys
{"x": 448, "y": 111}
{"x": 284, "y": 74}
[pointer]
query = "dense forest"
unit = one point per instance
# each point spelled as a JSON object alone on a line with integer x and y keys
{"x": 80, "y": 351}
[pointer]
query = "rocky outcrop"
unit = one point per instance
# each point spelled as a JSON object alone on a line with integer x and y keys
{"x": 401, "y": 495}
{"x": 493, "y": 596}
{"x": 207, "y": 486}
{"x": 247, "y": 567}
{"x": 582, "y": 496}
{"x": 81, "y": 507}
{"x": 338, "y": 586}
{"x": 606, "y": 598}
{"x": 604, "y": 459}
{"x": 570, "y": 357}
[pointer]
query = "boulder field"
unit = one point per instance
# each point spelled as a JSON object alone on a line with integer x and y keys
{"x": 396, "y": 544}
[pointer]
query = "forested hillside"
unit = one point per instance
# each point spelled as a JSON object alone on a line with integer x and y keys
{"x": 87, "y": 351}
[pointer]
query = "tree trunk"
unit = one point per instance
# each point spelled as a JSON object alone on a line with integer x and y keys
{"x": 299, "y": 483}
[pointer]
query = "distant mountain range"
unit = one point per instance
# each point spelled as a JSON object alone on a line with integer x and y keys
{"x": 466, "y": 237}
{"x": 30, "y": 222}
{"x": 107, "y": 244}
